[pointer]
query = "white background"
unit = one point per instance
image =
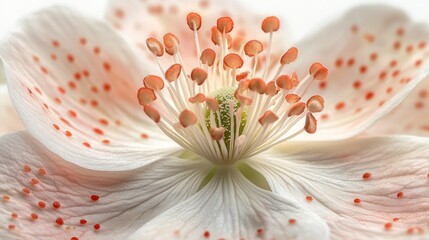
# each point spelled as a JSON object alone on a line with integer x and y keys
{"x": 302, "y": 16}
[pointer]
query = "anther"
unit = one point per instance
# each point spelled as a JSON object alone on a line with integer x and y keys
{"x": 216, "y": 36}
{"x": 242, "y": 76}
{"x": 315, "y": 104}
{"x": 284, "y": 82}
{"x": 171, "y": 43}
{"x": 208, "y": 57}
{"x": 290, "y": 56}
{"x": 153, "y": 82}
{"x": 321, "y": 74}
{"x": 187, "y": 118}
{"x": 155, "y": 47}
{"x": 173, "y": 72}
{"x": 271, "y": 89}
{"x": 270, "y": 24}
{"x": 225, "y": 24}
{"x": 194, "y": 21}
{"x": 253, "y": 48}
{"x": 310, "y": 123}
{"x": 152, "y": 113}
{"x": 199, "y": 98}
{"x": 258, "y": 85}
{"x": 217, "y": 133}
{"x": 314, "y": 68}
{"x": 268, "y": 117}
{"x": 233, "y": 61}
{"x": 296, "y": 109}
{"x": 198, "y": 75}
{"x": 292, "y": 98}
{"x": 146, "y": 96}
{"x": 212, "y": 104}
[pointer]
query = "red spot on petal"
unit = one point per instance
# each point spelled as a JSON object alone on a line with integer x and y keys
{"x": 34, "y": 216}
{"x": 357, "y": 200}
{"x": 340, "y": 106}
{"x": 206, "y": 234}
{"x": 56, "y": 204}
{"x": 309, "y": 198}
{"x": 94, "y": 197}
{"x": 292, "y": 221}
{"x": 26, "y": 168}
{"x": 42, "y": 204}
{"x": 83, "y": 222}
{"x": 26, "y": 190}
{"x": 42, "y": 171}
{"x": 97, "y": 226}
{"x": 400, "y": 194}
{"x": 59, "y": 221}
{"x": 388, "y": 226}
{"x": 366, "y": 175}
{"x": 86, "y": 144}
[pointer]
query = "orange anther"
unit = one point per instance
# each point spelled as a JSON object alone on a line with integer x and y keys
{"x": 171, "y": 43}
{"x": 173, "y": 72}
{"x": 253, "y": 47}
{"x": 198, "y": 75}
{"x": 290, "y": 56}
{"x": 233, "y": 61}
{"x": 217, "y": 133}
{"x": 295, "y": 79}
{"x": 314, "y": 68}
{"x": 194, "y": 21}
{"x": 199, "y": 98}
{"x": 296, "y": 109}
{"x": 284, "y": 82}
{"x": 152, "y": 113}
{"x": 208, "y": 57}
{"x": 292, "y": 98}
{"x": 153, "y": 82}
{"x": 225, "y": 24}
{"x": 212, "y": 104}
{"x": 242, "y": 76}
{"x": 155, "y": 46}
{"x": 258, "y": 85}
{"x": 270, "y": 24}
{"x": 187, "y": 118}
{"x": 322, "y": 74}
{"x": 146, "y": 96}
{"x": 271, "y": 89}
{"x": 268, "y": 117}
{"x": 216, "y": 36}
{"x": 310, "y": 123}
{"x": 315, "y": 104}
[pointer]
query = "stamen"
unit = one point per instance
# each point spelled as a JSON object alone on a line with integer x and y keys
{"x": 173, "y": 72}
{"x": 187, "y": 118}
{"x": 227, "y": 109}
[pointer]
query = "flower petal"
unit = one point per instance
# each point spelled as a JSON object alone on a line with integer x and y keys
{"x": 10, "y": 121}
{"x": 45, "y": 197}
{"x": 375, "y": 188}
{"x": 410, "y": 117}
{"x": 138, "y": 20}
{"x": 74, "y": 83}
{"x": 230, "y": 207}
{"x": 375, "y": 56}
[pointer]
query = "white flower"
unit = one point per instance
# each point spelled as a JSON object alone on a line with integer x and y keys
{"x": 93, "y": 166}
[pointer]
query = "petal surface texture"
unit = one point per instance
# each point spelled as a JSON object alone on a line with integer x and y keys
{"x": 376, "y": 56}
{"x": 375, "y": 188}
{"x": 410, "y": 117}
{"x": 230, "y": 207}
{"x": 44, "y": 197}
{"x": 74, "y": 84}
{"x": 10, "y": 121}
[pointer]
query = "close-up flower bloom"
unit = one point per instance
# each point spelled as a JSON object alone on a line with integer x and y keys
{"x": 204, "y": 121}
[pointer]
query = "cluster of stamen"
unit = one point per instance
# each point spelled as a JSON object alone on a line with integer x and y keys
{"x": 224, "y": 109}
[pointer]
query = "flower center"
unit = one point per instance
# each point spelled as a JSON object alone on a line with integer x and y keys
{"x": 227, "y": 108}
